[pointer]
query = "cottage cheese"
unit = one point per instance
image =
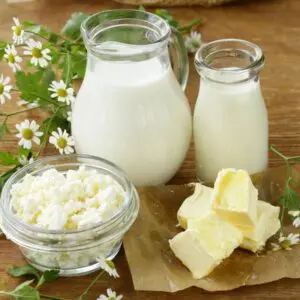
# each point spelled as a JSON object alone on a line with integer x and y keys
{"x": 67, "y": 201}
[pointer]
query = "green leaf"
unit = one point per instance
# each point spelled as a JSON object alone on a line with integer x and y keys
{"x": 33, "y": 85}
{"x": 290, "y": 199}
{"x": 51, "y": 275}
{"x": 3, "y": 130}
{"x": 2, "y": 48}
{"x": 8, "y": 159}
{"x": 26, "y": 293}
{"x": 48, "y": 276}
{"x": 72, "y": 27}
{"x": 26, "y": 152}
{"x": 5, "y": 176}
{"x": 48, "y": 76}
{"x": 163, "y": 13}
{"x": 142, "y": 8}
{"x": 27, "y": 269}
{"x": 67, "y": 69}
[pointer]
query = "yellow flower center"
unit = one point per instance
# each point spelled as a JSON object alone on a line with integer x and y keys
{"x": 18, "y": 30}
{"x": 11, "y": 58}
{"x": 36, "y": 52}
{"x": 62, "y": 93}
{"x": 1, "y": 88}
{"x": 62, "y": 143}
{"x": 27, "y": 134}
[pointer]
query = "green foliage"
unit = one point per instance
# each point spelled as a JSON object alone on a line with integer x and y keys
{"x": 27, "y": 269}
{"x": 72, "y": 27}
{"x": 2, "y": 48}
{"x": 8, "y": 159}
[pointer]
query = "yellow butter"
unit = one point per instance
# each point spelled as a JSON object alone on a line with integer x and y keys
{"x": 187, "y": 247}
{"x": 267, "y": 225}
{"x": 195, "y": 206}
{"x": 205, "y": 243}
{"x": 235, "y": 198}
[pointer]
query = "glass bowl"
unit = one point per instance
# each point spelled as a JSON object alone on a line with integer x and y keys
{"x": 73, "y": 252}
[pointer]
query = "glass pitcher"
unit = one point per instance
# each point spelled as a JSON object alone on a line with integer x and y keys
{"x": 130, "y": 108}
{"x": 230, "y": 118}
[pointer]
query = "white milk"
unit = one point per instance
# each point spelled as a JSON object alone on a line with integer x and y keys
{"x": 230, "y": 128}
{"x": 135, "y": 115}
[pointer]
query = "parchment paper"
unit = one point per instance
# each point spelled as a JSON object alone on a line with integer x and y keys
{"x": 155, "y": 268}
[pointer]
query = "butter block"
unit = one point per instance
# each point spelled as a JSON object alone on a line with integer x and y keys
{"x": 235, "y": 198}
{"x": 205, "y": 244}
{"x": 267, "y": 224}
{"x": 187, "y": 247}
{"x": 219, "y": 238}
{"x": 195, "y": 206}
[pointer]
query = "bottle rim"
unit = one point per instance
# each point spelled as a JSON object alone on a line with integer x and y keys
{"x": 235, "y": 49}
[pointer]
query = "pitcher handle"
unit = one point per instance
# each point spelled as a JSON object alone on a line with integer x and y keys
{"x": 179, "y": 57}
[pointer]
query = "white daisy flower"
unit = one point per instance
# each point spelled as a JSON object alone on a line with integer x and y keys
{"x": 287, "y": 241}
{"x": 11, "y": 56}
{"x": 275, "y": 247}
{"x": 111, "y": 295}
{"x": 61, "y": 92}
{"x": 40, "y": 56}
{"x": 62, "y": 141}
{"x": 193, "y": 42}
{"x": 28, "y": 104}
{"x": 23, "y": 160}
{"x": 28, "y": 133}
{"x": 296, "y": 222}
{"x": 4, "y": 89}
{"x": 294, "y": 213}
{"x": 69, "y": 116}
{"x": 108, "y": 266}
{"x": 18, "y": 32}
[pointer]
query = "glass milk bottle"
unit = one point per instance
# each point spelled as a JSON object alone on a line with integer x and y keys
{"x": 131, "y": 108}
{"x": 230, "y": 118}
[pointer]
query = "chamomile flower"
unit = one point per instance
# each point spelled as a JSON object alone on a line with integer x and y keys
{"x": 296, "y": 222}
{"x": 193, "y": 41}
{"x": 4, "y": 89}
{"x": 18, "y": 32}
{"x": 69, "y": 116}
{"x": 111, "y": 295}
{"x": 39, "y": 56}
{"x": 294, "y": 213}
{"x": 61, "y": 92}
{"x": 12, "y": 57}
{"x": 62, "y": 141}
{"x": 287, "y": 241}
{"x": 23, "y": 160}
{"x": 28, "y": 133}
{"x": 275, "y": 247}
{"x": 108, "y": 266}
{"x": 28, "y": 104}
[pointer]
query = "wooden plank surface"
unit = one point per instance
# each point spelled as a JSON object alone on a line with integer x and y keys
{"x": 274, "y": 25}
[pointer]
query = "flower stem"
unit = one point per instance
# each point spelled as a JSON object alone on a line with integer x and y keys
{"x": 18, "y": 112}
{"x": 52, "y": 297}
{"x": 89, "y": 287}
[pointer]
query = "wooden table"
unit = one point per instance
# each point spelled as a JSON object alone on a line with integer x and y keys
{"x": 274, "y": 25}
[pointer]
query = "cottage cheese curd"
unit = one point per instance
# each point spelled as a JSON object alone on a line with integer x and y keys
{"x": 67, "y": 201}
{"x": 64, "y": 201}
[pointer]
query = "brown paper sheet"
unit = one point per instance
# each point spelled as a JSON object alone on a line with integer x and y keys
{"x": 155, "y": 268}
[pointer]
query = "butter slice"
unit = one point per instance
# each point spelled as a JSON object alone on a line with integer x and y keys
{"x": 195, "y": 206}
{"x": 205, "y": 244}
{"x": 235, "y": 198}
{"x": 267, "y": 224}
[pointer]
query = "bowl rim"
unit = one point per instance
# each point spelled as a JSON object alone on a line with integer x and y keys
{"x": 8, "y": 216}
